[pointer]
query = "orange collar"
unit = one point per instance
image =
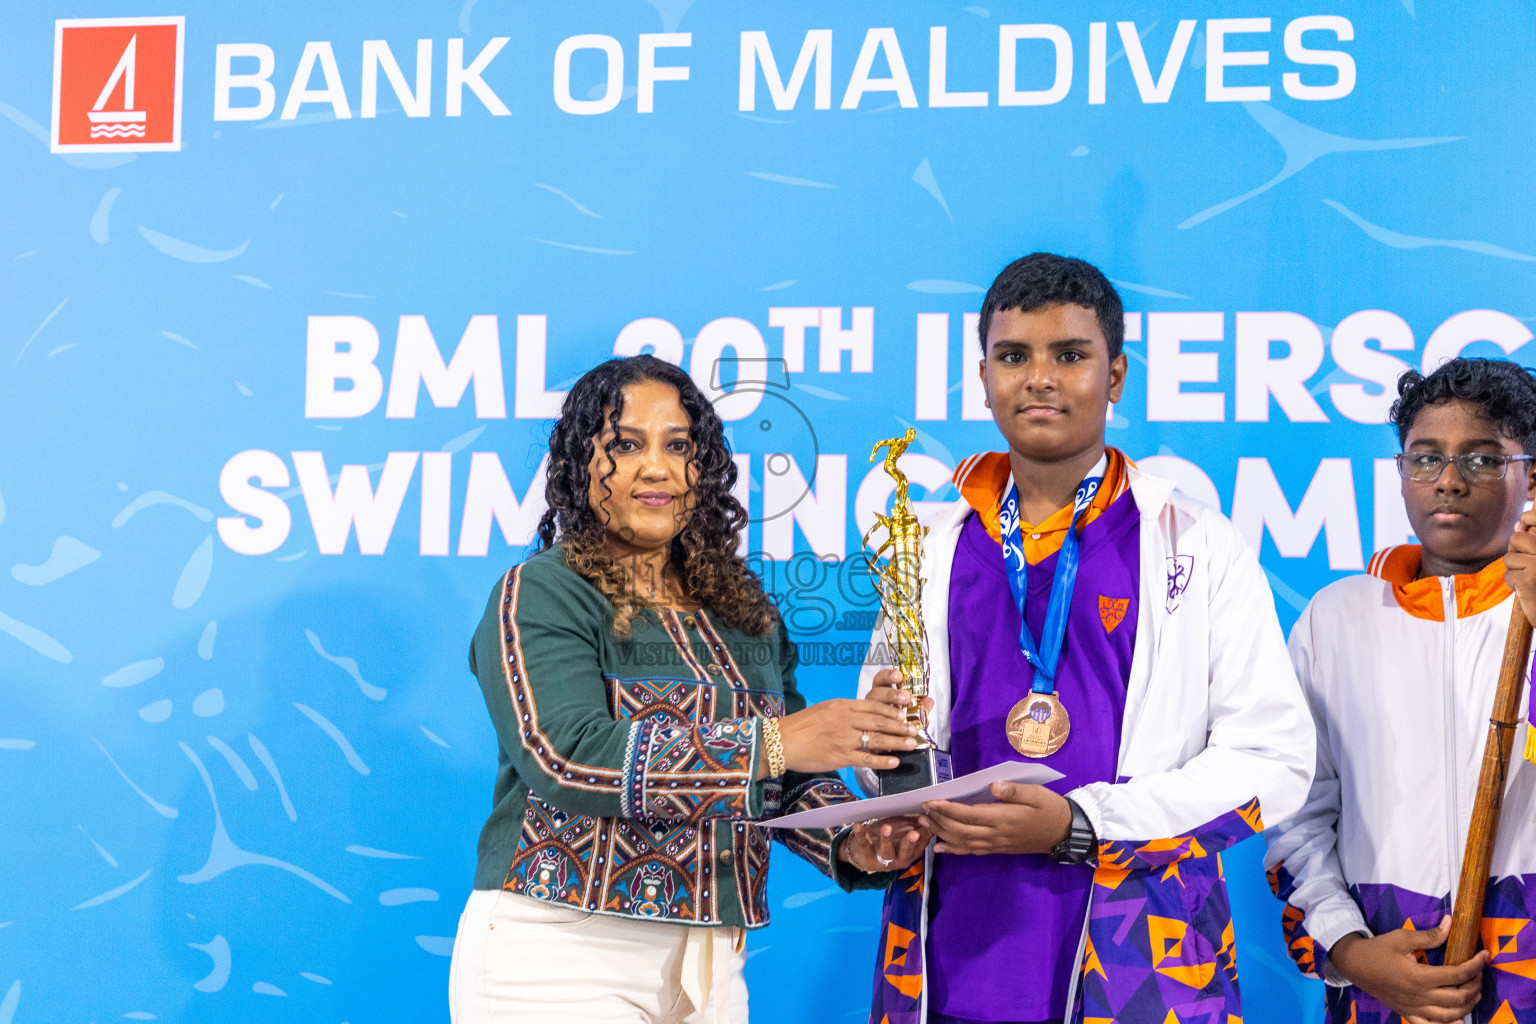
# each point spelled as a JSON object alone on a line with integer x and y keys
{"x": 983, "y": 481}
{"x": 1422, "y": 598}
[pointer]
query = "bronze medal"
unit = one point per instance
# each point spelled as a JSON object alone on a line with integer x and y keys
{"x": 1038, "y": 725}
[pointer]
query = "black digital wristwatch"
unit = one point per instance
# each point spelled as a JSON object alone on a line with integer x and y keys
{"x": 1081, "y": 843}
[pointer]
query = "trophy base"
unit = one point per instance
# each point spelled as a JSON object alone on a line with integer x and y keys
{"x": 918, "y": 770}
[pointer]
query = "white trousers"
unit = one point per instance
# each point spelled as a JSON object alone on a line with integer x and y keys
{"x": 523, "y": 961}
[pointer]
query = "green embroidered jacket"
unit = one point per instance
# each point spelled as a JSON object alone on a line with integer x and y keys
{"x": 626, "y": 781}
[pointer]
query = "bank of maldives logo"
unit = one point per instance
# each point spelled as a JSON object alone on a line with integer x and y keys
{"x": 117, "y": 84}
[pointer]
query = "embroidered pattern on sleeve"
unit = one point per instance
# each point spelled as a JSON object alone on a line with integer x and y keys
{"x": 691, "y": 772}
{"x": 814, "y": 844}
{"x": 649, "y": 703}
{"x": 588, "y": 778}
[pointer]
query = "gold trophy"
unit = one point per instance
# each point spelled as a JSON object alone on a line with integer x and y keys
{"x": 899, "y": 582}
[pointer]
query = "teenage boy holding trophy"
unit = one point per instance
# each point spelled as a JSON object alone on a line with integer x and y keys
{"x": 1082, "y": 614}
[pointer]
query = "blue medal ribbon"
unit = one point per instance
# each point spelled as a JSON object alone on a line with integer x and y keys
{"x": 1043, "y": 657}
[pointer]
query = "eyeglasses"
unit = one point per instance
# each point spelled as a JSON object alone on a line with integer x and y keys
{"x": 1474, "y": 467}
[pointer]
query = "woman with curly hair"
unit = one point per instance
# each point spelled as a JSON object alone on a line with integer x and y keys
{"x": 643, "y": 692}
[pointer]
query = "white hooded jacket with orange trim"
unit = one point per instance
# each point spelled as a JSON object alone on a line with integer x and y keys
{"x": 1400, "y": 675}
{"x": 1215, "y": 735}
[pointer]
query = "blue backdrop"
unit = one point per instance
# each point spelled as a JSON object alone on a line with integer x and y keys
{"x": 244, "y": 762}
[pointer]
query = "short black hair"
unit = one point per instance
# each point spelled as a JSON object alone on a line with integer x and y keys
{"x": 1045, "y": 279}
{"x": 1504, "y": 391}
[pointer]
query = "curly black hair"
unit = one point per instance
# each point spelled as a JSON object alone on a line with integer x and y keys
{"x": 1504, "y": 391}
{"x": 1045, "y": 279}
{"x": 704, "y": 553}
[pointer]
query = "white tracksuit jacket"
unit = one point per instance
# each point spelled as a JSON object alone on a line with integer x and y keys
{"x": 1216, "y": 734}
{"x": 1400, "y": 675}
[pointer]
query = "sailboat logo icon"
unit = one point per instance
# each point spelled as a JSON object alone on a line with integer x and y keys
{"x": 117, "y": 84}
{"x": 123, "y": 123}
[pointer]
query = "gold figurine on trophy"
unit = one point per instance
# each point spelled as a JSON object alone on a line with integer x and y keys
{"x": 899, "y": 582}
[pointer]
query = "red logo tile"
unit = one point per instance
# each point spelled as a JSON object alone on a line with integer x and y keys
{"x": 117, "y": 84}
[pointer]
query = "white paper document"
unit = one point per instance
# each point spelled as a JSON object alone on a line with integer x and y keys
{"x": 968, "y": 789}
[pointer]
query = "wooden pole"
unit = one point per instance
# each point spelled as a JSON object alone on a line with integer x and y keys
{"x": 1466, "y": 921}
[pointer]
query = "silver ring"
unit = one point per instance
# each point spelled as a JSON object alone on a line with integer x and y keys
{"x": 883, "y": 862}
{"x": 864, "y": 741}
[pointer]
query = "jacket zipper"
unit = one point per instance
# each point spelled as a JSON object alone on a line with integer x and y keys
{"x": 1453, "y": 802}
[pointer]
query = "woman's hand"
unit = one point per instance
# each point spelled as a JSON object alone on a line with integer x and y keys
{"x": 888, "y": 845}
{"x": 1385, "y": 967}
{"x": 848, "y": 733}
{"x": 1027, "y": 819}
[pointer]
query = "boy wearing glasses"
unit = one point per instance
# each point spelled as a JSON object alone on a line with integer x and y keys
{"x": 1400, "y": 668}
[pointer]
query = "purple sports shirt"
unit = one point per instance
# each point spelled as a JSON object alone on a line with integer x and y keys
{"x": 1005, "y": 928}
